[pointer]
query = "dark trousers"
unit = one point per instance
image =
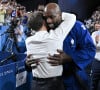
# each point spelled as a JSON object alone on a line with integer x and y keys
{"x": 54, "y": 83}
{"x": 95, "y": 76}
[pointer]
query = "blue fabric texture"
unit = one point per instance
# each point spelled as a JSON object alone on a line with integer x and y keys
{"x": 79, "y": 45}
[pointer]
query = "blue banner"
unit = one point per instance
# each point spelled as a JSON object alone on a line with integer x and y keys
{"x": 13, "y": 75}
{"x": 8, "y": 77}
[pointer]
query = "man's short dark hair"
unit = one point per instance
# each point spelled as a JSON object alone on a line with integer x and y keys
{"x": 36, "y": 21}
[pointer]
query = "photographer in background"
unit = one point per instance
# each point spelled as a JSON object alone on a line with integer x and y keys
{"x": 20, "y": 37}
{"x": 15, "y": 37}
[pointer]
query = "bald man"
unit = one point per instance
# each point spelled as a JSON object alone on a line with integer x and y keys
{"x": 78, "y": 47}
{"x": 53, "y": 15}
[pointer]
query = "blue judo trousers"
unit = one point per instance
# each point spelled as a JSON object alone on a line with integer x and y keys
{"x": 79, "y": 45}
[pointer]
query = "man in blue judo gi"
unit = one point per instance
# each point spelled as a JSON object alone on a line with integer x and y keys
{"x": 79, "y": 51}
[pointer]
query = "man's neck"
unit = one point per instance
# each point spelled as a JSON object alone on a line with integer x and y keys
{"x": 43, "y": 28}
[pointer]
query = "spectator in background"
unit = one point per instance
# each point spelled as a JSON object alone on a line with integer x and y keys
{"x": 41, "y": 8}
{"x": 2, "y": 15}
{"x": 96, "y": 63}
{"x": 8, "y": 17}
{"x": 20, "y": 35}
{"x": 91, "y": 21}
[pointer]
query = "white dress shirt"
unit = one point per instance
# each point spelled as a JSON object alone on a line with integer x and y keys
{"x": 44, "y": 43}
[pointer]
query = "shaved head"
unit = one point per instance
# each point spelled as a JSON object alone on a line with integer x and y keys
{"x": 52, "y": 8}
{"x": 53, "y": 15}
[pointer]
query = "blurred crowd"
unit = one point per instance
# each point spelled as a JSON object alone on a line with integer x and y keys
{"x": 11, "y": 9}
{"x": 94, "y": 19}
{"x": 14, "y": 16}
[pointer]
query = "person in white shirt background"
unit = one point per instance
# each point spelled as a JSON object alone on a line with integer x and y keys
{"x": 42, "y": 43}
{"x": 96, "y": 63}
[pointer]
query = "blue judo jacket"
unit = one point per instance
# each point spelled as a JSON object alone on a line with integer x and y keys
{"x": 79, "y": 45}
